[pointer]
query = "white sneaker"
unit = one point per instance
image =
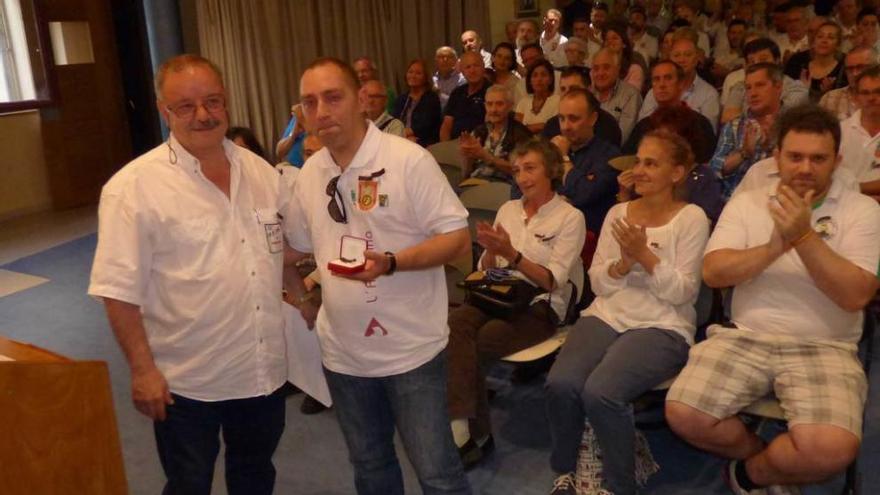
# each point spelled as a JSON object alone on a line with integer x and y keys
{"x": 729, "y": 475}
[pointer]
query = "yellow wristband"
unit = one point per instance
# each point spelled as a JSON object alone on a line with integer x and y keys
{"x": 803, "y": 238}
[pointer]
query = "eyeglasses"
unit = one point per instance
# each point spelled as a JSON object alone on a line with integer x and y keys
{"x": 335, "y": 208}
{"x": 187, "y": 109}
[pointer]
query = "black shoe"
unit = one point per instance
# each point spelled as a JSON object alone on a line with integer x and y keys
{"x": 488, "y": 446}
{"x": 471, "y": 454}
{"x": 310, "y": 405}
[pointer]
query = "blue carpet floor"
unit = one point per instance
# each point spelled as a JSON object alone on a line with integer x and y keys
{"x": 312, "y": 458}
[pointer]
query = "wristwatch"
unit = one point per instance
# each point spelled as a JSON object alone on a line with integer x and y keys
{"x": 392, "y": 260}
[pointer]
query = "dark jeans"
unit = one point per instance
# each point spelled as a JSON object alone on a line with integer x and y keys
{"x": 414, "y": 402}
{"x": 189, "y": 439}
{"x": 475, "y": 339}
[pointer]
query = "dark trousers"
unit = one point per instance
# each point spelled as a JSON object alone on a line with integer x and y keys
{"x": 476, "y": 338}
{"x": 189, "y": 439}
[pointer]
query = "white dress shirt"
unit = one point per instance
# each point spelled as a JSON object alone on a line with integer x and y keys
{"x": 859, "y": 150}
{"x": 204, "y": 269}
{"x": 552, "y": 238}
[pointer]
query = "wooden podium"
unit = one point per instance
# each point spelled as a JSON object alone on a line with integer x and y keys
{"x": 58, "y": 432}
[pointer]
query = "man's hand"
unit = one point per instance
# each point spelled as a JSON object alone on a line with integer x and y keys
{"x": 562, "y": 143}
{"x": 793, "y": 213}
{"x": 377, "y": 264}
{"x": 309, "y": 311}
{"x": 751, "y": 139}
{"x": 150, "y": 393}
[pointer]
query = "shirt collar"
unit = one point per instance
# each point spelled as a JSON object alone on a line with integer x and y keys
{"x": 545, "y": 208}
{"x": 179, "y": 156}
{"x": 365, "y": 153}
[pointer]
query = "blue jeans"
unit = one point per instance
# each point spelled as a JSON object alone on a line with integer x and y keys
{"x": 189, "y": 439}
{"x": 414, "y": 402}
{"x": 596, "y": 376}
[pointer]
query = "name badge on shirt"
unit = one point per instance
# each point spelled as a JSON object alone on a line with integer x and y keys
{"x": 274, "y": 238}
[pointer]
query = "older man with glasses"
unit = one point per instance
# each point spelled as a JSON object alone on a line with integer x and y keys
{"x": 188, "y": 264}
{"x": 383, "y": 329}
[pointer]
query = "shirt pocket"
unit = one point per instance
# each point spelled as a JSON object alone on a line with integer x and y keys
{"x": 197, "y": 247}
{"x": 269, "y": 227}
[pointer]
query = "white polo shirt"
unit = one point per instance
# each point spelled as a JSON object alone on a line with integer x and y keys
{"x": 553, "y": 238}
{"x": 641, "y": 300}
{"x": 395, "y": 196}
{"x": 765, "y": 174}
{"x": 784, "y": 299}
{"x": 204, "y": 269}
{"x": 859, "y": 149}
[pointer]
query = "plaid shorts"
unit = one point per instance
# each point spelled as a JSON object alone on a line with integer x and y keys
{"x": 816, "y": 382}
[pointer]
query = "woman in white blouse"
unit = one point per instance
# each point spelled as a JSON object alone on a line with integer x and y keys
{"x": 637, "y": 332}
{"x": 542, "y": 103}
{"x": 539, "y": 238}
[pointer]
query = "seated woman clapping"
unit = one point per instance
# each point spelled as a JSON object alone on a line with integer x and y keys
{"x": 636, "y": 333}
{"x": 538, "y": 238}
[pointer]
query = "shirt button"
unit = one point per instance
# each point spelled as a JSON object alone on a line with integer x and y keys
{"x": 258, "y": 308}
{"x": 242, "y": 241}
{"x": 253, "y": 273}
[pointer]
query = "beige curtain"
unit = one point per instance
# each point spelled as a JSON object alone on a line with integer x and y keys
{"x": 263, "y": 45}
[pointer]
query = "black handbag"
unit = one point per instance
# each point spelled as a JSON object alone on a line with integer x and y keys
{"x": 499, "y": 294}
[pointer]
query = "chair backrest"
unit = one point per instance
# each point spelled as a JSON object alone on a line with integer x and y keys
{"x": 486, "y": 197}
{"x": 447, "y": 152}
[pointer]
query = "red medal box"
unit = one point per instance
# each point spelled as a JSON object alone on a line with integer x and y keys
{"x": 351, "y": 256}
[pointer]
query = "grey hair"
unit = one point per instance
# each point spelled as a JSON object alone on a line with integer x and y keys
{"x": 500, "y": 88}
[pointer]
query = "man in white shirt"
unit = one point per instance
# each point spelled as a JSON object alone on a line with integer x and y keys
{"x": 802, "y": 255}
{"x": 698, "y": 94}
{"x": 795, "y": 39}
{"x": 616, "y": 97}
{"x": 527, "y": 33}
{"x": 383, "y": 329}
{"x": 552, "y": 40}
{"x": 642, "y": 41}
{"x": 842, "y": 101}
{"x": 374, "y": 100}
{"x": 189, "y": 264}
{"x": 471, "y": 42}
{"x": 860, "y": 144}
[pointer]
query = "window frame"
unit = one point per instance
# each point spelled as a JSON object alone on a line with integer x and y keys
{"x": 42, "y": 60}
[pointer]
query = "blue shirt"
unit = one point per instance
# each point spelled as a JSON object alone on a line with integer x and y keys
{"x": 295, "y": 155}
{"x": 731, "y": 139}
{"x": 591, "y": 186}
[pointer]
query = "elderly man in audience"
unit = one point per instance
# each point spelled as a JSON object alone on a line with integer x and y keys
{"x": 366, "y": 71}
{"x": 616, "y": 97}
{"x": 471, "y": 42}
{"x": 642, "y": 41}
{"x": 637, "y": 332}
{"x": 606, "y": 127}
{"x": 576, "y": 52}
{"x": 795, "y": 40}
{"x": 668, "y": 84}
{"x": 842, "y": 101}
{"x": 588, "y": 181}
{"x": 861, "y": 134}
{"x": 527, "y": 33}
{"x": 487, "y": 148}
{"x": 539, "y": 239}
{"x": 802, "y": 255}
{"x": 552, "y": 40}
{"x": 447, "y": 77}
{"x": 762, "y": 50}
{"x": 698, "y": 94}
{"x": 466, "y": 107}
{"x": 581, "y": 30}
{"x": 748, "y": 139}
{"x": 374, "y": 100}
